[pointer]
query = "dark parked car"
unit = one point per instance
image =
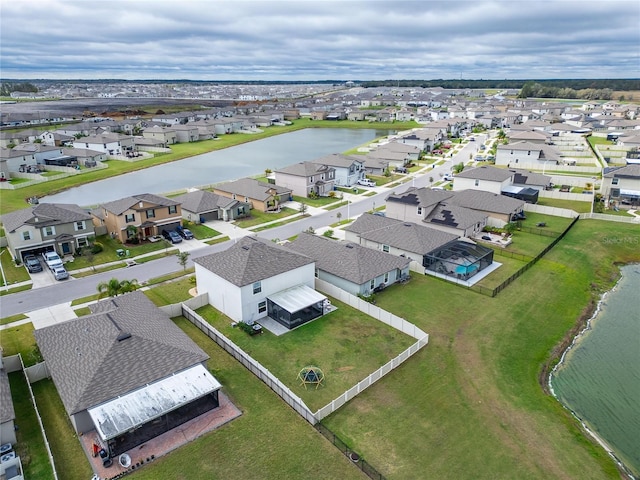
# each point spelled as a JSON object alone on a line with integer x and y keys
{"x": 184, "y": 233}
{"x": 32, "y": 263}
{"x": 172, "y": 236}
{"x": 400, "y": 170}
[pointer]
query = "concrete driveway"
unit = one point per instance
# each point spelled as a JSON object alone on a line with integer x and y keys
{"x": 43, "y": 279}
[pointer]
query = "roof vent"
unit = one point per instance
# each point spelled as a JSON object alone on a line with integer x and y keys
{"x": 406, "y": 224}
{"x": 349, "y": 245}
{"x": 245, "y": 247}
{"x": 123, "y": 336}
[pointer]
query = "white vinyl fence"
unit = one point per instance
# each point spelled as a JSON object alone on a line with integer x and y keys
{"x": 557, "y": 212}
{"x": 280, "y": 388}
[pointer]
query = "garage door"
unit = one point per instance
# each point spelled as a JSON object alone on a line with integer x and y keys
{"x": 209, "y": 216}
{"x": 168, "y": 227}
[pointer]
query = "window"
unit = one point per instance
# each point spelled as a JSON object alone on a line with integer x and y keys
{"x": 310, "y": 179}
{"x": 26, "y": 235}
{"x": 83, "y": 242}
{"x": 151, "y": 213}
{"x": 48, "y": 231}
{"x": 257, "y": 287}
{"x": 614, "y": 181}
{"x": 477, "y": 182}
{"x": 385, "y": 248}
{"x": 173, "y": 209}
{"x": 130, "y": 217}
{"x": 419, "y": 210}
{"x": 316, "y": 273}
{"x": 386, "y": 277}
{"x": 262, "y": 306}
{"x": 79, "y": 225}
{"x": 372, "y": 284}
{"x": 529, "y": 152}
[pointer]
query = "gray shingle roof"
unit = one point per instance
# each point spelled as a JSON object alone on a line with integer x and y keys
{"x": 347, "y": 260}
{"x": 524, "y": 177}
{"x": 90, "y": 361}
{"x": 337, "y": 160}
{"x": 486, "y": 201}
{"x": 250, "y": 188}
{"x": 630, "y": 171}
{"x": 304, "y": 169}
{"x": 454, "y": 216}
{"x": 45, "y": 214}
{"x": 7, "y": 413}
{"x": 489, "y": 173}
{"x": 203, "y": 201}
{"x": 405, "y": 236}
{"x": 251, "y": 260}
{"x": 117, "y": 207}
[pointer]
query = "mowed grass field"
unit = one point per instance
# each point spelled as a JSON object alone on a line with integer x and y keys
{"x": 470, "y": 404}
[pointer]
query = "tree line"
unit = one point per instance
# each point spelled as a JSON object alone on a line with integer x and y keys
{"x": 538, "y": 90}
{"x": 6, "y": 88}
{"x": 575, "y": 84}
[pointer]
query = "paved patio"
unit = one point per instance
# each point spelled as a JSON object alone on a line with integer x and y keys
{"x": 162, "y": 444}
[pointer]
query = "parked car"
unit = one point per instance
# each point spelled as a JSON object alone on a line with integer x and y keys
{"x": 448, "y": 177}
{"x": 366, "y": 182}
{"x": 472, "y": 139}
{"x": 400, "y": 170}
{"x": 479, "y": 158}
{"x": 52, "y": 260}
{"x": 172, "y": 236}
{"x": 60, "y": 273}
{"x": 32, "y": 263}
{"x": 184, "y": 233}
{"x": 437, "y": 151}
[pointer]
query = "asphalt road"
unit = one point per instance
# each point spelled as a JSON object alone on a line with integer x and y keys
{"x": 72, "y": 289}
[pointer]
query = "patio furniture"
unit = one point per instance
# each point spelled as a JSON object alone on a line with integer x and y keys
{"x": 124, "y": 460}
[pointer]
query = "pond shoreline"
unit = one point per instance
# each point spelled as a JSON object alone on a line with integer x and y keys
{"x": 557, "y": 359}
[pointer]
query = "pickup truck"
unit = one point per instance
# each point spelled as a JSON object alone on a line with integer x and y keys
{"x": 52, "y": 260}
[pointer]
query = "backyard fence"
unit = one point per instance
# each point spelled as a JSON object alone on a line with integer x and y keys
{"x": 357, "y": 460}
{"x": 554, "y": 211}
{"x": 250, "y": 364}
{"x": 610, "y": 218}
{"x": 493, "y": 292}
{"x": 14, "y": 364}
{"x": 586, "y": 196}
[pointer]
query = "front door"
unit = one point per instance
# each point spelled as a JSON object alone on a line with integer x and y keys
{"x": 66, "y": 248}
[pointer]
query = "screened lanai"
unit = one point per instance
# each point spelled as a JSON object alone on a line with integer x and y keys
{"x": 296, "y": 305}
{"x": 459, "y": 259}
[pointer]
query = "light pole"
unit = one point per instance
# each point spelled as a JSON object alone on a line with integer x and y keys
{"x": 4, "y": 279}
{"x": 348, "y": 216}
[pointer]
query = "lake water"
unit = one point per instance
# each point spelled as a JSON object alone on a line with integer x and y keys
{"x": 228, "y": 164}
{"x": 599, "y": 378}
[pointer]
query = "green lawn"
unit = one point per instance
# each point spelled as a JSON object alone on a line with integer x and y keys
{"x": 171, "y": 292}
{"x": 470, "y": 405}
{"x": 12, "y": 273}
{"x": 257, "y": 217}
{"x": 30, "y": 446}
{"x": 19, "y": 340}
{"x": 346, "y": 344}
{"x": 109, "y": 254}
{"x": 12, "y": 318}
{"x": 201, "y": 231}
{"x": 316, "y": 202}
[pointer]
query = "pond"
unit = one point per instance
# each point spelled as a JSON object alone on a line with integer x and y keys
{"x": 599, "y": 377}
{"x": 221, "y": 165}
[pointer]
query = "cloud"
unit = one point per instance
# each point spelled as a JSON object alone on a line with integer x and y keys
{"x": 314, "y": 40}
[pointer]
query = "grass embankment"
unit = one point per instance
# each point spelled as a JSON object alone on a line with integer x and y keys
{"x": 470, "y": 405}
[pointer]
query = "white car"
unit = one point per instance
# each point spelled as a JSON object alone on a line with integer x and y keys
{"x": 52, "y": 260}
{"x": 448, "y": 177}
{"x": 60, "y": 273}
{"x": 365, "y": 182}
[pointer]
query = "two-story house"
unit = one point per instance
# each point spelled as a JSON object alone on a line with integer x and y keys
{"x": 138, "y": 216}
{"x": 348, "y": 168}
{"x": 109, "y": 143}
{"x": 307, "y": 179}
{"x": 622, "y": 185}
{"x": 47, "y": 226}
{"x": 256, "y": 278}
{"x": 165, "y": 135}
{"x": 527, "y": 154}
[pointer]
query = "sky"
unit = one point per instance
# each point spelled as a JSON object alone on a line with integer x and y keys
{"x": 319, "y": 39}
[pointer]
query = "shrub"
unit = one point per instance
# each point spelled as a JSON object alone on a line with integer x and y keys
{"x": 328, "y": 233}
{"x": 97, "y": 248}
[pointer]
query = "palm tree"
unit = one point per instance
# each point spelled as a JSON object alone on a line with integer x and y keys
{"x": 115, "y": 287}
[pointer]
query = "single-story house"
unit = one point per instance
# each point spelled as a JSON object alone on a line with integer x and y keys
{"x": 350, "y": 266}
{"x": 256, "y": 278}
{"x": 404, "y": 239}
{"x": 202, "y": 206}
{"x": 127, "y": 372}
{"x": 265, "y": 197}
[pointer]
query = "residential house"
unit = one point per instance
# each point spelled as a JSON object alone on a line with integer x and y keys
{"x": 264, "y": 197}
{"x": 350, "y": 266}
{"x": 356, "y": 115}
{"x": 527, "y": 154}
{"x": 487, "y": 178}
{"x": 423, "y": 139}
{"x": 256, "y": 278}
{"x": 404, "y": 239}
{"x": 85, "y": 156}
{"x": 126, "y": 372}
{"x": 138, "y": 216}
{"x": 202, "y": 206}
{"x": 434, "y": 209}
{"x": 40, "y": 152}
{"x": 375, "y": 166}
{"x": 163, "y": 134}
{"x": 500, "y": 209}
{"x": 186, "y": 133}
{"x": 63, "y": 228}
{"x": 621, "y": 185}
{"x": 396, "y": 153}
{"x": 307, "y": 179}
{"x": 348, "y": 168}
{"x": 110, "y": 143}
